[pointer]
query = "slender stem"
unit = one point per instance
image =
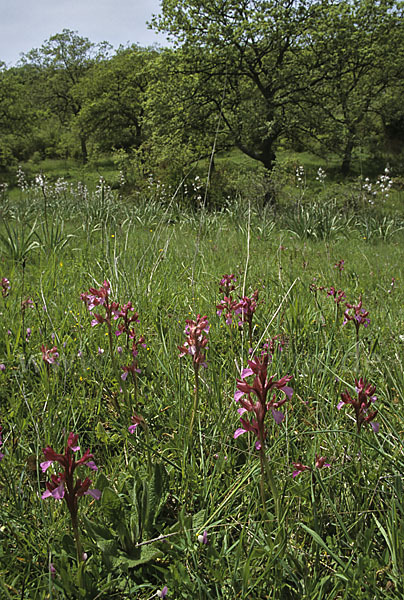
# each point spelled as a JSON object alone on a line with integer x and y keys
{"x": 357, "y": 349}
{"x": 135, "y": 389}
{"x": 262, "y": 487}
{"x": 76, "y": 533}
{"x": 267, "y": 474}
{"x": 24, "y": 341}
{"x": 45, "y": 213}
{"x": 111, "y": 347}
{"x": 196, "y": 400}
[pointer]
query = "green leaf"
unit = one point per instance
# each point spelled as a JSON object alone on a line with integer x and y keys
{"x": 198, "y": 520}
{"x": 101, "y": 433}
{"x": 96, "y": 531}
{"x": 68, "y": 545}
{"x": 147, "y": 554}
{"x": 102, "y": 482}
{"x": 109, "y": 547}
{"x": 322, "y": 543}
{"x": 157, "y": 494}
{"x": 111, "y": 504}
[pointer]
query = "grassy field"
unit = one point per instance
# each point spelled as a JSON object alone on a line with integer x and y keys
{"x": 181, "y": 506}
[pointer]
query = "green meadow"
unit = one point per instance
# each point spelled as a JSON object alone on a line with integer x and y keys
{"x": 180, "y": 506}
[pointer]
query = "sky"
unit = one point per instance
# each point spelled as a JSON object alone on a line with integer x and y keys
{"x": 27, "y": 24}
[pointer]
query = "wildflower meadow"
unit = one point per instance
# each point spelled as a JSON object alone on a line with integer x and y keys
{"x": 201, "y": 403}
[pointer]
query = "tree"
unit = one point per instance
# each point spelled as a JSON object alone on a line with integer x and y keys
{"x": 16, "y": 116}
{"x": 113, "y": 94}
{"x": 272, "y": 67}
{"x": 183, "y": 111}
{"x": 57, "y": 69}
{"x": 363, "y": 41}
{"x": 251, "y": 60}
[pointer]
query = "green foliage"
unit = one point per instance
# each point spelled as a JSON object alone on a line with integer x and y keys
{"x": 317, "y": 221}
{"x": 325, "y": 78}
{"x": 18, "y": 241}
{"x": 113, "y": 95}
{"x": 55, "y": 73}
{"x": 339, "y": 531}
{"x": 314, "y": 79}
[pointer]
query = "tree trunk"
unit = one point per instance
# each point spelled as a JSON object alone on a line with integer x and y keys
{"x": 346, "y": 161}
{"x": 267, "y": 158}
{"x": 265, "y": 155}
{"x": 84, "y": 153}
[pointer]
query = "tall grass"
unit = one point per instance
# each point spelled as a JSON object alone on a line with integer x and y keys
{"x": 338, "y": 533}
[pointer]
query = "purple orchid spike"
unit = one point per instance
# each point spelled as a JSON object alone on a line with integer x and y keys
{"x": 361, "y": 405}
{"x": 196, "y": 341}
{"x": 162, "y": 593}
{"x": 359, "y": 316}
{"x": 261, "y": 387}
{"x": 64, "y": 485}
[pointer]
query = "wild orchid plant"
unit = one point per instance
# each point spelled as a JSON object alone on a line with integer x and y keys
{"x": 162, "y": 593}
{"x": 49, "y": 355}
{"x": 259, "y": 398}
{"x": 49, "y": 358}
{"x": 66, "y": 486}
{"x": 359, "y": 316}
{"x": 133, "y": 368}
{"x": 100, "y": 297}
{"x": 195, "y": 345}
{"x": 125, "y": 326}
{"x": 127, "y": 317}
{"x": 362, "y": 404}
{"x": 340, "y": 266}
{"x": 274, "y": 345}
{"x": 339, "y": 298}
{"x": 227, "y": 307}
{"x": 338, "y": 295}
{"x": 247, "y": 307}
{"x": 319, "y": 464}
{"x": 227, "y": 284}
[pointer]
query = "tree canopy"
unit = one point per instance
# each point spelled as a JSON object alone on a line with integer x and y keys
{"x": 257, "y": 75}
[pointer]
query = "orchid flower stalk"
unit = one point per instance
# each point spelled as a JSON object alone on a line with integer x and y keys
{"x": 319, "y": 464}
{"x": 66, "y": 486}
{"x": 112, "y": 312}
{"x": 227, "y": 307}
{"x": 339, "y": 297}
{"x": 359, "y": 317}
{"x": 247, "y": 307}
{"x": 5, "y": 287}
{"x": 195, "y": 344}
{"x": 125, "y": 326}
{"x": 227, "y": 284}
{"x": 259, "y": 398}
{"x": 100, "y": 297}
{"x": 133, "y": 368}
{"x": 362, "y": 404}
